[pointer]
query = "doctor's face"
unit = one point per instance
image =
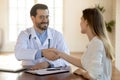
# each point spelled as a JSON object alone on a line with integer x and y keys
{"x": 41, "y": 20}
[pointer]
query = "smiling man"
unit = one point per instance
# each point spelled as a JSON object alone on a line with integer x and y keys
{"x": 32, "y": 43}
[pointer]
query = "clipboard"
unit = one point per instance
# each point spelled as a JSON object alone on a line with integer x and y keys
{"x": 48, "y": 71}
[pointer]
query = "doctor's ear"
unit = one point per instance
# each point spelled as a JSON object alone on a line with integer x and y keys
{"x": 33, "y": 18}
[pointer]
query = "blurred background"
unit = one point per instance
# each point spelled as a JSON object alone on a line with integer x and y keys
{"x": 64, "y": 17}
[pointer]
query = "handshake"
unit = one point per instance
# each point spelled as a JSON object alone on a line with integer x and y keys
{"x": 51, "y": 54}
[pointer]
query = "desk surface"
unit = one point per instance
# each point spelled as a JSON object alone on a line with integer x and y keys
{"x": 5, "y": 59}
{"x": 27, "y": 76}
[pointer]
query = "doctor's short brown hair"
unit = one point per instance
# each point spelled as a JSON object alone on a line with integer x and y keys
{"x": 33, "y": 11}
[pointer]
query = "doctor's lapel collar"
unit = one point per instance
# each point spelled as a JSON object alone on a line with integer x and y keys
{"x": 49, "y": 34}
{"x": 33, "y": 33}
{"x": 34, "y": 37}
{"x": 49, "y": 37}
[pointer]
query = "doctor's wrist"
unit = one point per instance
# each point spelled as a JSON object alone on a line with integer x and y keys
{"x": 50, "y": 65}
{"x": 42, "y": 53}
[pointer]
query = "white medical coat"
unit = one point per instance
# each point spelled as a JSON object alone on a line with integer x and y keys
{"x": 28, "y": 44}
{"x": 94, "y": 60}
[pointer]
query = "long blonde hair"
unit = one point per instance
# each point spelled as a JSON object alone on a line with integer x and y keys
{"x": 96, "y": 22}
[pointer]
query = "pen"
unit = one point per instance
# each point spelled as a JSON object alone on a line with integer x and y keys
{"x": 53, "y": 69}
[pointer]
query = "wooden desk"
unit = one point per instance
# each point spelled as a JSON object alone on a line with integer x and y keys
{"x": 27, "y": 76}
{"x": 4, "y": 57}
{"x": 7, "y": 59}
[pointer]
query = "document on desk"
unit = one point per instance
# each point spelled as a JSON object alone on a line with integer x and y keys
{"x": 13, "y": 69}
{"x": 48, "y": 71}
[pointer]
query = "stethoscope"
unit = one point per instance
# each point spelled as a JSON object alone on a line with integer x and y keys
{"x": 35, "y": 39}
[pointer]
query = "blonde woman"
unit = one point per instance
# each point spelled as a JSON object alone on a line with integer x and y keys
{"x": 95, "y": 63}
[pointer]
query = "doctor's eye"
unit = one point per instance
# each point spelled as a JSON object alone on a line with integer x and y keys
{"x": 44, "y": 17}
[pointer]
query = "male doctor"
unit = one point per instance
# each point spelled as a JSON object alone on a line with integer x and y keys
{"x": 32, "y": 43}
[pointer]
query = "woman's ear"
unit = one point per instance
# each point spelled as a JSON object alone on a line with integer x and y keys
{"x": 86, "y": 22}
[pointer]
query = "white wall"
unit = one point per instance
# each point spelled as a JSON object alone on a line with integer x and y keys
{"x": 72, "y": 13}
{"x": 117, "y": 47}
{"x": 6, "y": 45}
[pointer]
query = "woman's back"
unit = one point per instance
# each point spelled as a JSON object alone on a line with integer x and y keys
{"x": 94, "y": 60}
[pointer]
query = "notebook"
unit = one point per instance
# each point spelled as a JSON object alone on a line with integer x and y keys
{"x": 8, "y": 63}
{"x": 10, "y": 68}
{"x": 48, "y": 71}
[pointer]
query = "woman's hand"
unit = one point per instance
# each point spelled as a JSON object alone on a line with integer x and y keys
{"x": 78, "y": 71}
{"x": 83, "y": 73}
{"x": 50, "y": 54}
{"x": 54, "y": 50}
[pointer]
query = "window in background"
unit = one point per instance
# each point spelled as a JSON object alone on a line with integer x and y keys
{"x": 19, "y": 15}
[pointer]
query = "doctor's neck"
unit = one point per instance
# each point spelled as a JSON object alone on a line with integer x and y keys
{"x": 39, "y": 30}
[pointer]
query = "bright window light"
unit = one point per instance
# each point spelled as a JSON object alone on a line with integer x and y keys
{"x": 19, "y": 15}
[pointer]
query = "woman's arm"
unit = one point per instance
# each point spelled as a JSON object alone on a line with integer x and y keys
{"x": 69, "y": 58}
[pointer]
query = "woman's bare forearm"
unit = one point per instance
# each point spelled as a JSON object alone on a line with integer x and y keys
{"x": 71, "y": 59}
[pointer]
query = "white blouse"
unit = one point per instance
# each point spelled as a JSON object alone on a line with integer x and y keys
{"x": 94, "y": 60}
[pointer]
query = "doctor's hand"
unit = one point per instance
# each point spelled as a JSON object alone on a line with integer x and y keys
{"x": 49, "y": 54}
{"x": 40, "y": 66}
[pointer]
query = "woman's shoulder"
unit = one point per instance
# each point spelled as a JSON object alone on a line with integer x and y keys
{"x": 97, "y": 42}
